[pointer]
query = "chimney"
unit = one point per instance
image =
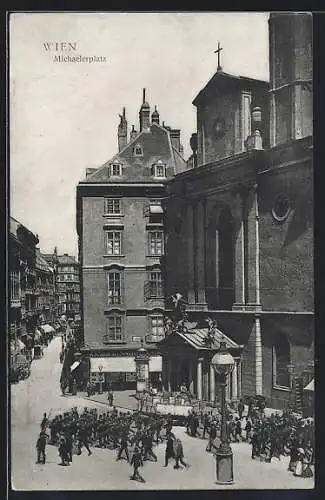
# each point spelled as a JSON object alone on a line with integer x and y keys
{"x": 122, "y": 132}
{"x": 133, "y": 133}
{"x": 144, "y": 114}
{"x": 175, "y": 137}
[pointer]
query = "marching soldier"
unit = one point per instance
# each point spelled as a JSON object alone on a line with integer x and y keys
{"x": 137, "y": 462}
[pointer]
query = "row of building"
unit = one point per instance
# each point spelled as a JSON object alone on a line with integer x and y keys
{"x": 42, "y": 287}
{"x": 231, "y": 229}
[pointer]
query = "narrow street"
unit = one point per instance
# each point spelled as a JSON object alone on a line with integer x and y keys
{"x": 41, "y": 393}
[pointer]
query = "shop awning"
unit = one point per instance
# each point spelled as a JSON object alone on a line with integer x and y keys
{"x": 75, "y": 365}
{"x": 16, "y": 346}
{"x": 155, "y": 364}
{"x": 156, "y": 209}
{"x": 310, "y": 386}
{"x": 47, "y": 328}
{"x": 116, "y": 364}
{"x": 123, "y": 364}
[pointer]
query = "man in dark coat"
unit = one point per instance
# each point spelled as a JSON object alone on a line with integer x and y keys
{"x": 179, "y": 454}
{"x": 83, "y": 438}
{"x": 147, "y": 445}
{"x": 169, "y": 452}
{"x": 68, "y": 443}
{"x": 212, "y": 437}
{"x": 40, "y": 446}
{"x": 124, "y": 446}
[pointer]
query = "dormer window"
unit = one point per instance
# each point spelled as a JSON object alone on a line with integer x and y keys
{"x": 138, "y": 151}
{"x": 116, "y": 170}
{"x": 159, "y": 170}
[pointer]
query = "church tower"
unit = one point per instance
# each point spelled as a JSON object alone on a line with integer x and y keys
{"x": 122, "y": 132}
{"x": 290, "y": 42}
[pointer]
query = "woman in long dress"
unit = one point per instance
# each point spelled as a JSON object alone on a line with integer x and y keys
{"x": 299, "y": 466}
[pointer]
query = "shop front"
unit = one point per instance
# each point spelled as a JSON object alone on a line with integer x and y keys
{"x": 118, "y": 370}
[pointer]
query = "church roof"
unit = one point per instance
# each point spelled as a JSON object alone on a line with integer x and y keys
{"x": 197, "y": 337}
{"x": 156, "y": 145}
{"x": 221, "y": 79}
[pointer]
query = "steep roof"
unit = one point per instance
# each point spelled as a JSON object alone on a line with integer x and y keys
{"x": 41, "y": 263}
{"x": 221, "y": 79}
{"x": 197, "y": 338}
{"x": 66, "y": 259}
{"x": 156, "y": 145}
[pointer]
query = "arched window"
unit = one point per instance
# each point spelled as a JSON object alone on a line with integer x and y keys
{"x": 281, "y": 361}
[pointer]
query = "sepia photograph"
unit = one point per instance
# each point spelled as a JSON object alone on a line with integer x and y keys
{"x": 160, "y": 300}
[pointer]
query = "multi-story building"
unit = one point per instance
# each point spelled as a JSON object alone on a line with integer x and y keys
{"x": 22, "y": 310}
{"x": 120, "y": 224}
{"x": 68, "y": 286}
{"x": 45, "y": 290}
{"x": 240, "y": 224}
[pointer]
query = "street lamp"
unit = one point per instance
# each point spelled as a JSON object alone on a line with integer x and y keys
{"x": 223, "y": 364}
{"x": 100, "y": 368}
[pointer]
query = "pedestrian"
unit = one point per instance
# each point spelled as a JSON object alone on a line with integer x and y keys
{"x": 179, "y": 454}
{"x": 40, "y": 446}
{"x": 248, "y": 429}
{"x": 83, "y": 439}
{"x": 238, "y": 430}
{"x": 63, "y": 451}
{"x": 124, "y": 446}
{"x": 69, "y": 445}
{"x": 147, "y": 445}
{"x": 169, "y": 452}
{"x": 212, "y": 437}
{"x": 44, "y": 422}
{"x": 110, "y": 397}
{"x": 240, "y": 409}
{"x": 206, "y": 424}
{"x": 137, "y": 462}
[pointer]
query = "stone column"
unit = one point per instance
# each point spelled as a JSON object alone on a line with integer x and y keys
{"x": 235, "y": 381}
{"x": 199, "y": 379}
{"x": 191, "y": 377}
{"x": 206, "y": 382}
{"x": 239, "y": 379}
{"x": 200, "y": 253}
{"x": 169, "y": 369}
{"x": 258, "y": 357}
{"x": 212, "y": 384}
{"x": 190, "y": 254}
{"x": 253, "y": 256}
{"x": 240, "y": 268}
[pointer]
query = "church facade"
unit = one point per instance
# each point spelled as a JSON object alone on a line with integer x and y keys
{"x": 240, "y": 220}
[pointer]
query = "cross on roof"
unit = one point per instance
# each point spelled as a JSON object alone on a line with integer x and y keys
{"x": 219, "y": 49}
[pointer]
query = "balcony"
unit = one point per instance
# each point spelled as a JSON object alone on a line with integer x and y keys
{"x": 15, "y": 303}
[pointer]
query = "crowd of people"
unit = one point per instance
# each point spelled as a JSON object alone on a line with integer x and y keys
{"x": 133, "y": 436}
{"x": 270, "y": 436}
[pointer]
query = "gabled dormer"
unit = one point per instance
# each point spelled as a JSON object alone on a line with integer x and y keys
{"x": 115, "y": 169}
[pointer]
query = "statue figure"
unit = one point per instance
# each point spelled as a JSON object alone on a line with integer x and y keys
{"x": 210, "y": 339}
